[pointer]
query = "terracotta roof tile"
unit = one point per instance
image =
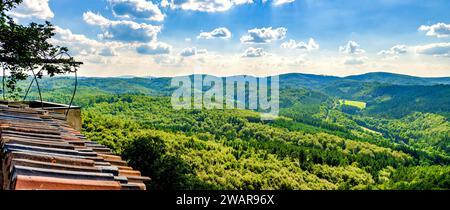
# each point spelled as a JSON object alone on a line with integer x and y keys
{"x": 49, "y": 158}
{"x": 129, "y": 173}
{"x": 59, "y": 166}
{"x": 40, "y": 151}
{"x": 48, "y": 183}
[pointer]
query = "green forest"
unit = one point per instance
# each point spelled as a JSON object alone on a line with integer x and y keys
{"x": 399, "y": 139}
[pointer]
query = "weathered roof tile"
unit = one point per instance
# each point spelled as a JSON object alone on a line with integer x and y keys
{"x": 48, "y": 183}
{"x": 40, "y": 151}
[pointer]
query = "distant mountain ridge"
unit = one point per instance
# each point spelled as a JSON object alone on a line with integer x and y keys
{"x": 350, "y": 87}
{"x": 399, "y": 79}
{"x": 316, "y": 80}
{"x": 312, "y": 80}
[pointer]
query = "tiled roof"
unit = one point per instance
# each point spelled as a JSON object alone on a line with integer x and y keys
{"x": 40, "y": 151}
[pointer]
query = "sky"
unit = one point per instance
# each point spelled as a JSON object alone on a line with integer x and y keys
{"x": 252, "y": 37}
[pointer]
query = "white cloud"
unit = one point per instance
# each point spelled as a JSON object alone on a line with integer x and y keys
{"x": 192, "y": 51}
{"x": 204, "y": 5}
{"x": 221, "y": 32}
{"x": 127, "y": 31}
{"x": 154, "y": 48}
{"x": 355, "y": 60}
{"x": 33, "y": 8}
{"x": 136, "y": 9}
{"x": 79, "y": 44}
{"x": 439, "y": 30}
{"x": 67, "y": 36}
{"x": 95, "y": 19}
{"x": 354, "y": 52}
{"x": 254, "y": 52}
{"x": 264, "y": 35}
{"x": 292, "y": 44}
{"x": 164, "y": 3}
{"x": 435, "y": 49}
{"x": 395, "y": 50}
{"x": 280, "y": 2}
{"x": 351, "y": 48}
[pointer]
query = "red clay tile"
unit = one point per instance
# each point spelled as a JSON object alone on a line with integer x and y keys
{"x": 129, "y": 173}
{"x": 47, "y": 183}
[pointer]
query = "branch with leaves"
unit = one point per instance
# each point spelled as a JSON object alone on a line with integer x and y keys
{"x": 27, "y": 50}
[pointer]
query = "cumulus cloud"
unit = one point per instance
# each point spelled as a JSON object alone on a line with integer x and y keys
{"x": 439, "y": 30}
{"x": 204, "y": 5}
{"x": 66, "y": 35}
{"x": 95, "y": 19}
{"x": 395, "y": 50}
{"x": 264, "y": 35}
{"x": 81, "y": 45}
{"x": 355, "y": 60}
{"x": 351, "y": 48}
{"x": 187, "y": 52}
{"x": 127, "y": 31}
{"x": 354, "y": 52}
{"x": 292, "y": 44}
{"x": 221, "y": 32}
{"x": 154, "y": 48}
{"x": 435, "y": 49}
{"x": 33, "y": 9}
{"x": 254, "y": 52}
{"x": 136, "y": 9}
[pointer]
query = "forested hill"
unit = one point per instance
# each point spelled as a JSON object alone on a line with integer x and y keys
{"x": 157, "y": 85}
{"x": 399, "y": 79}
{"x": 319, "y": 81}
{"x": 403, "y": 96}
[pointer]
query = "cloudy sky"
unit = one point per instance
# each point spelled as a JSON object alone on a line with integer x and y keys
{"x": 256, "y": 37}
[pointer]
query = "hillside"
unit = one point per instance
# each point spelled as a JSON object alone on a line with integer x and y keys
{"x": 389, "y": 100}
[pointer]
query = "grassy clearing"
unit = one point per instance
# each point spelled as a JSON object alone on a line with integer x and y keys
{"x": 359, "y": 104}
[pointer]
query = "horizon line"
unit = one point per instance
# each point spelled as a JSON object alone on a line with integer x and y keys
{"x": 215, "y": 75}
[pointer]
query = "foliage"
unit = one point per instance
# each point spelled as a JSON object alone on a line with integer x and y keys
{"x": 27, "y": 48}
{"x": 418, "y": 178}
{"x": 148, "y": 154}
{"x": 232, "y": 149}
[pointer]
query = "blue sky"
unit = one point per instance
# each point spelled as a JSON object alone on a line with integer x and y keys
{"x": 226, "y": 37}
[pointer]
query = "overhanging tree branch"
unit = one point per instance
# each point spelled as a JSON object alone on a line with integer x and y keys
{"x": 27, "y": 48}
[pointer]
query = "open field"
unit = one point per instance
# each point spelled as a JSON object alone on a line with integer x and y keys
{"x": 359, "y": 104}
